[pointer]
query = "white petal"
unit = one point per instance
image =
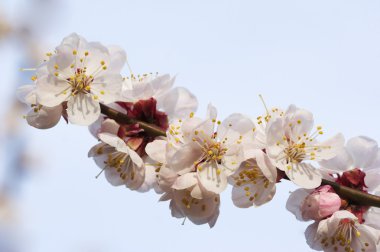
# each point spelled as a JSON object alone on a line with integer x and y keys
{"x": 118, "y": 58}
{"x": 107, "y": 87}
{"x": 311, "y": 234}
{"x": 212, "y": 113}
{"x": 376, "y": 162}
{"x": 45, "y": 118}
{"x": 51, "y": 91}
{"x": 342, "y": 162}
{"x": 295, "y": 201}
{"x": 27, "y": 94}
{"x": 112, "y": 140}
{"x": 331, "y": 147}
{"x": 185, "y": 157}
{"x": 304, "y": 175}
{"x": 212, "y": 181}
{"x": 299, "y": 121}
{"x": 156, "y": 150}
{"x": 110, "y": 126}
{"x": 177, "y": 103}
{"x": 82, "y": 109}
{"x": 363, "y": 150}
{"x": 185, "y": 181}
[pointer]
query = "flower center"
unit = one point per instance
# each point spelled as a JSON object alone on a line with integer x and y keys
{"x": 295, "y": 153}
{"x": 80, "y": 82}
{"x": 214, "y": 152}
{"x": 343, "y": 236}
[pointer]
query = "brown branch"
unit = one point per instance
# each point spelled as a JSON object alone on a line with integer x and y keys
{"x": 354, "y": 196}
{"x": 344, "y": 192}
{"x": 121, "y": 118}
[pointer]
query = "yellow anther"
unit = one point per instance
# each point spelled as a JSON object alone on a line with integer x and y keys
{"x": 218, "y": 171}
{"x": 191, "y": 115}
{"x": 104, "y": 67}
{"x": 33, "y": 78}
{"x": 299, "y": 121}
{"x": 102, "y": 62}
{"x": 85, "y": 53}
{"x": 75, "y": 52}
{"x": 102, "y": 92}
{"x": 56, "y": 66}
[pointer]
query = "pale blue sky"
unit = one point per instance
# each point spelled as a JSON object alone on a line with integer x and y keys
{"x": 321, "y": 55}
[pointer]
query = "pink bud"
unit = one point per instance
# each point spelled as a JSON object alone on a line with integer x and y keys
{"x": 320, "y": 204}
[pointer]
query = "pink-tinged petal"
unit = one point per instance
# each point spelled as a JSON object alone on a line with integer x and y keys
{"x": 212, "y": 178}
{"x": 156, "y": 150}
{"x": 364, "y": 151}
{"x": 45, "y": 118}
{"x": 177, "y": 103}
{"x": 83, "y": 110}
{"x": 340, "y": 163}
{"x": 304, "y": 175}
{"x": 185, "y": 181}
{"x": 320, "y": 205}
{"x": 109, "y": 126}
{"x": 295, "y": 201}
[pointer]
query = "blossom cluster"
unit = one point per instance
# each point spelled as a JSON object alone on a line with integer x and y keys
{"x": 196, "y": 158}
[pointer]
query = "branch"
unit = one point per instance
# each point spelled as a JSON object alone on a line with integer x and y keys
{"x": 121, "y": 118}
{"x": 352, "y": 195}
{"x": 344, "y": 192}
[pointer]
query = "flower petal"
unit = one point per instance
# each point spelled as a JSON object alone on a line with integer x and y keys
{"x": 304, "y": 175}
{"x": 363, "y": 150}
{"x": 82, "y": 109}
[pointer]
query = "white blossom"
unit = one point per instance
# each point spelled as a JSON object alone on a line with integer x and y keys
{"x": 39, "y": 116}
{"x": 254, "y": 183}
{"x": 291, "y": 143}
{"x": 341, "y": 233}
{"x": 121, "y": 164}
{"x": 82, "y": 74}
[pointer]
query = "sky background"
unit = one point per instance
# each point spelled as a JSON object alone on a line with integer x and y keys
{"x": 320, "y": 55}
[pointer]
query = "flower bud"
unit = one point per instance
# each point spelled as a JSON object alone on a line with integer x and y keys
{"x": 321, "y": 203}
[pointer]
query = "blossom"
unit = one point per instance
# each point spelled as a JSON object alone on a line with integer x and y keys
{"x": 82, "y": 74}
{"x": 290, "y": 144}
{"x": 204, "y": 157}
{"x": 342, "y": 232}
{"x": 39, "y": 116}
{"x": 182, "y": 203}
{"x": 254, "y": 182}
{"x": 121, "y": 165}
